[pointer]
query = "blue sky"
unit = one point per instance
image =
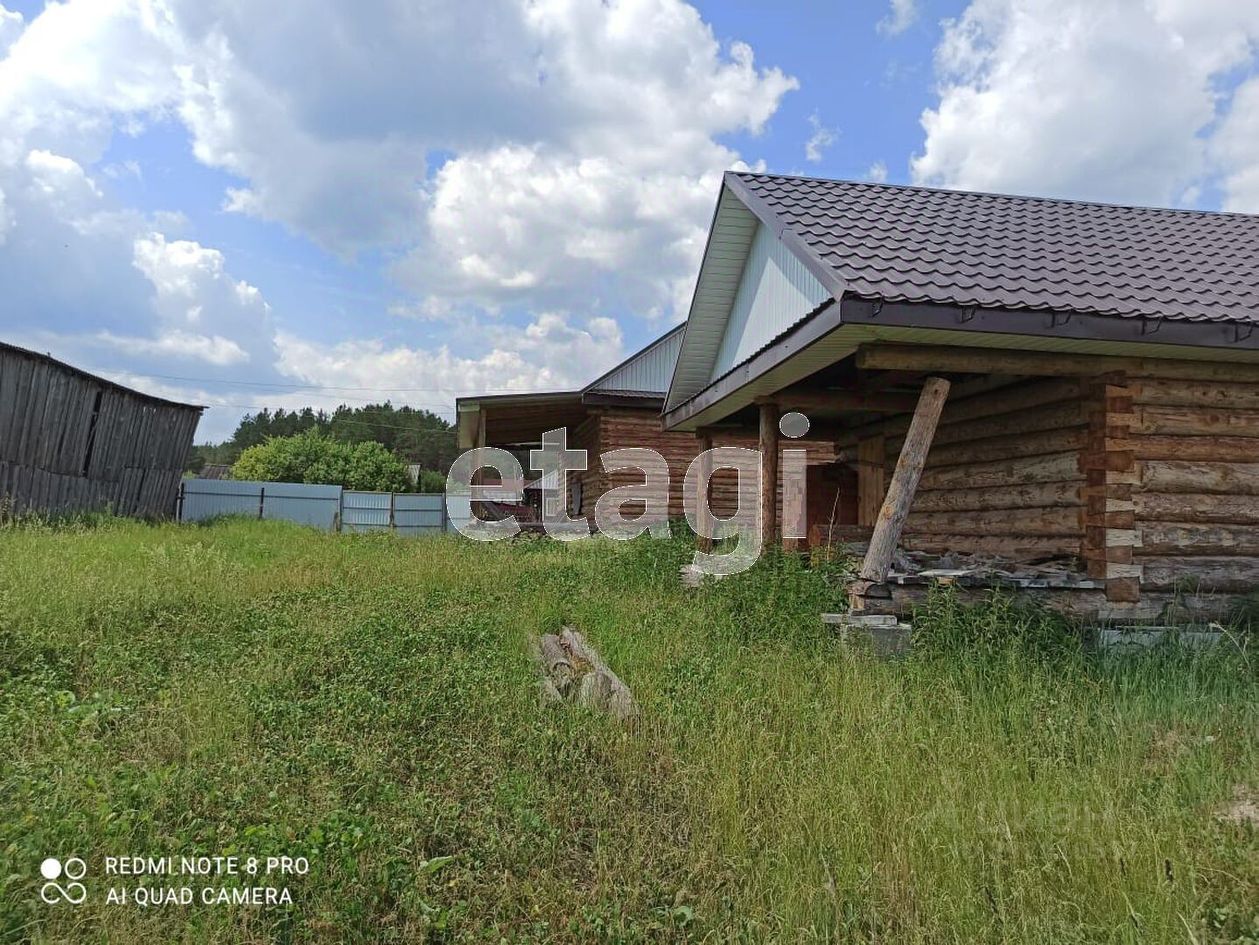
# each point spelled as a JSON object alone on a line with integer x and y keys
{"x": 514, "y": 196}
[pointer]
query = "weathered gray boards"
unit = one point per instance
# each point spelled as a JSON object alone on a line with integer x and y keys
{"x": 70, "y": 441}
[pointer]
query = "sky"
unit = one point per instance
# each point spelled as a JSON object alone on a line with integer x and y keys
{"x": 251, "y": 205}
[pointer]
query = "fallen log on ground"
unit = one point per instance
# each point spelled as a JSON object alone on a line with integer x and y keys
{"x": 573, "y": 671}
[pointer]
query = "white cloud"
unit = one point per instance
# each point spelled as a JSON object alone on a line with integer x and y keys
{"x": 11, "y": 26}
{"x": 542, "y": 156}
{"x": 211, "y": 349}
{"x": 581, "y": 137}
{"x": 821, "y": 139}
{"x": 1103, "y": 99}
{"x": 899, "y": 18}
{"x": 550, "y": 353}
{"x": 1236, "y": 149}
{"x": 877, "y": 172}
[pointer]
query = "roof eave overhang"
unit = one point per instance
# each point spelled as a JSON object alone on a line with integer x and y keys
{"x": 612, "y": 399}
{"x": 968, "y": 326}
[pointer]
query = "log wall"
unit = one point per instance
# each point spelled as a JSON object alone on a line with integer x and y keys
{"x": 1149, "y": 472}
{"x": 1003, "y": 475}
{"x": 72, "y": 442}
{"x": 1195, "y": 445}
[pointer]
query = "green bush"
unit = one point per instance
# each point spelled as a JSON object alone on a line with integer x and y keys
{"x": 310, "y": 457}
{"x": 430, "y": 480}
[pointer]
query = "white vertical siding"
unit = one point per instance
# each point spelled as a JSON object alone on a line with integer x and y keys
{"x": 775, "y": 291}
{"x": 648, "y": 371}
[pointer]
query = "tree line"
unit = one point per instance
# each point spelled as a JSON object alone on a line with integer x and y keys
{"x": 411, "y": 435}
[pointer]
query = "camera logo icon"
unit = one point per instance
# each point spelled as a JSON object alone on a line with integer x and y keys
{"x": 52, "y": 869}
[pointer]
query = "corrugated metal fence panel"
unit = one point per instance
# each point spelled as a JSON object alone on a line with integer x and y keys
{"x": 206, "y": 498}
{"x": 365, "y": 511}
{"x": 415, "y": 515}
{"x": 302, "y": 503}
{"x": 320, "y": 506}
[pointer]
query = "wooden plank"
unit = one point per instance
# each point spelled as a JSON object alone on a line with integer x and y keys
{"x": 1032, "y": 496}
{"x": 904, "y": 483}
{"x": 1174, "y": 476}
{"x": 958, "y": 360}
{"x": 768, "y": 446}
{"x": 1036, "y": 523}
{"x": 1196, "y": 507}
{"x": 1178, "y": 538}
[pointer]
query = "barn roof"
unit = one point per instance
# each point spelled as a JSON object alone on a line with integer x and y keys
{"x": 920, "y": 244}
{"x": 96, "y": 378}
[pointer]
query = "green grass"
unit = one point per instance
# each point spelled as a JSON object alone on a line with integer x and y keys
{"x": 369, "y": 703}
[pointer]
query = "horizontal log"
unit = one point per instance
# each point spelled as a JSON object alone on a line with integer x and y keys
{"x": 1008, "y": 447}
{"x": 1178, "y": 538}
{"x": 1196, "y": 507}
{"x": 1053, "y": 416}
{"x": 1055, "y": 467}
{"x": 1035, "y": 523}
{"x": 839, "y": 400}
{"x": 1196, "y": 421}
{"x": 1172, "y": 476}
{"x": 1036, "y": 495}
{"x": 977, "y": 401}
{"x": 1187, "y": 393}
{"x": 1219, "y": 449}
{"x": 1201, "y": 574}
{"x": 953, "y": 359}
{"x": 1013, "y": 549}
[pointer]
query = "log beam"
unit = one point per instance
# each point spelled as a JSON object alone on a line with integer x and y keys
{"x": 959, "y": 360}
{"x": 804, "y": 399}
{"x": 900, "y": 493}
{"x": 769, "y": 473}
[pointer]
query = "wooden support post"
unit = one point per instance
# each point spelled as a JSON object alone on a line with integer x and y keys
{"x": 900, "y": 493}
{"x": 769, "y": 473}
{"x": 794, "y": 523}
{"x": 704, "y": 497}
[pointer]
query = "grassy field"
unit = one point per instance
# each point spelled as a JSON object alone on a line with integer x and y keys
{"x": 369, "y": 703}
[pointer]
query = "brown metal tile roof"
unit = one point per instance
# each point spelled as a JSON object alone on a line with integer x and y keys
{"x": 918, "y": 244}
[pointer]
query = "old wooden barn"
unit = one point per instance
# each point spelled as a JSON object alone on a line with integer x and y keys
{"x": 71, "y": 441}
{"x": 1082, "y": 384}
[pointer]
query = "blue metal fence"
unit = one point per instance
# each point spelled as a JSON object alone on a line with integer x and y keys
{"x": 328, "y": 507}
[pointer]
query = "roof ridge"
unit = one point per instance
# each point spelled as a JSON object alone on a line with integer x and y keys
{"x": 1030, "y": 198}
